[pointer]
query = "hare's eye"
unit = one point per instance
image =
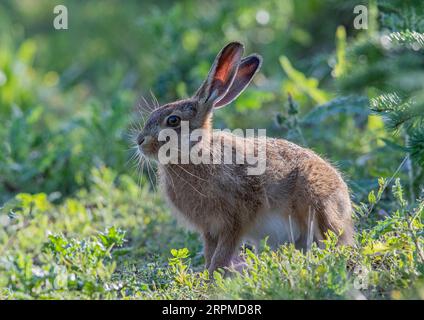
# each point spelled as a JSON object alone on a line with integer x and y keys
{"x": 173, "y": 121}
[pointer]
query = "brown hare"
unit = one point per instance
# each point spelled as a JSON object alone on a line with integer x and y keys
{"x": 298, "y": 197}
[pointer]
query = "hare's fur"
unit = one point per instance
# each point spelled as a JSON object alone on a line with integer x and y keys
{"x": 298, "y": 190}
{"x": 298, "y": 199}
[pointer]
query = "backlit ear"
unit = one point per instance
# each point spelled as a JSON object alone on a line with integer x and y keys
{"x": 221, "y": 74}
{"x": 247, "y": 69}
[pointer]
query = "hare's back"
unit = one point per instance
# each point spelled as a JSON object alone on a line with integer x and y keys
{"x": 300, "y": 170}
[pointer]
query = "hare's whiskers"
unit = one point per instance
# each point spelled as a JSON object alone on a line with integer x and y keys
{"x": 186, "y": 181}
{"x": 310, "y": 227}
{"x": 190, "y": 173}
{"x": 147, "y": 105}
{"x": 169, "y": 176}
{"x": 291, "y": 229}
{"x": 150, "y": 166}
{"x": 132, "y": 157}
{"x": 140, "y": 169}
{"x": 155, "y": 100}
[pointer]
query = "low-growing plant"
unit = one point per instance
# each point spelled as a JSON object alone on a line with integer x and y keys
{"x": 56, "y": 251}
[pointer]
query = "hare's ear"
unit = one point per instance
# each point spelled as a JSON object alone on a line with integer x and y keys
{"x": 247, "y": 69}
{"x": 221, "y": 74}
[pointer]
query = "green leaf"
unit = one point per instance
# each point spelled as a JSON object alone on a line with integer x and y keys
{"x": 308, "y": 86}
{"x": 371, "y": 197}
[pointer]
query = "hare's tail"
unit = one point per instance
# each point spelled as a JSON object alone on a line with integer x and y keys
{"x": 336, "y": 217}
{"x": 323, "y": 190}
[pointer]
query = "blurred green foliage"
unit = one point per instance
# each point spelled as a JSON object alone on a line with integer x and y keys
{"x": 78, "y": 221}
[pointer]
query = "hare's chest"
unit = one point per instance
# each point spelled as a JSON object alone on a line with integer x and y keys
{"x": 195, "y": 205}
{"x": 211, "y": 202}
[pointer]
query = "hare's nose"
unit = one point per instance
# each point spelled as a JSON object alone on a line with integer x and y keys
{"x": 140, "y": 140}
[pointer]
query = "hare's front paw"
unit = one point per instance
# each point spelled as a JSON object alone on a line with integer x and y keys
{"x": 238, "y": 263}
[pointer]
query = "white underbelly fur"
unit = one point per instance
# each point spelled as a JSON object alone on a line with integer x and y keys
{"x": 276, "y": 227}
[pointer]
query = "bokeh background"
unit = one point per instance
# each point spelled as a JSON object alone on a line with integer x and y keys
{"x": 69, "y": 100}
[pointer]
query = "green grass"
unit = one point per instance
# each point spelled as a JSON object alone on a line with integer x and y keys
{"x": 119, "y": 241}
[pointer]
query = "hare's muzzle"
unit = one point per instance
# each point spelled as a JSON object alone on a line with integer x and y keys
{"x": 140, "y": 140}
{"x": 146, "y": 145}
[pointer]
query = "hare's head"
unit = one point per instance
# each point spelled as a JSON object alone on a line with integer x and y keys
{"x": 228, "y": 77}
